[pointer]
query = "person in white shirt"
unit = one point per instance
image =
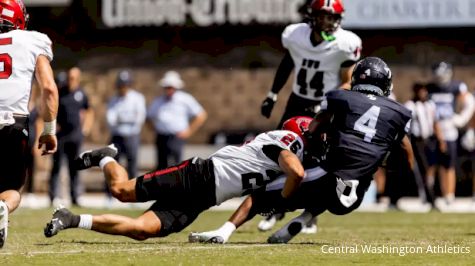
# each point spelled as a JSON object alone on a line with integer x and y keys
{"x": 24, "y": 55}
{"x": 175, "y": 116}
{"x": 126, "y": 113}
{"x": 425, "y": 135}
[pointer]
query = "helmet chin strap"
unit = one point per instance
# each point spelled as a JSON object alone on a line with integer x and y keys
{"x": 327, "y": 37}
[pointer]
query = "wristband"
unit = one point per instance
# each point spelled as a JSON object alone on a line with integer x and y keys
{"x": 49, "y": 128}
{"x": 272, "y": 96}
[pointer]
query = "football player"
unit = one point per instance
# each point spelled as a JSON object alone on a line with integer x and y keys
{"x": 24, "y": 55}
{"x": 446, "y": 94}
{"x": 183, "y": 191}
{"x": 322, "y": 55}
{"x": 361, "y": 127}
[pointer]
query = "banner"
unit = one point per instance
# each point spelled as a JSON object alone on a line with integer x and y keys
{"x": 120, "y": 13}
{"x": 359, "y": 14}
{"x": 376, "y": 14}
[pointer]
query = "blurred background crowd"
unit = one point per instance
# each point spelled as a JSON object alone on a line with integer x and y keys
{"x": 118, "y": 61}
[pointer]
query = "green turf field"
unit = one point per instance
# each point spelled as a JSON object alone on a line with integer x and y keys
{"x": 393, "y": 231}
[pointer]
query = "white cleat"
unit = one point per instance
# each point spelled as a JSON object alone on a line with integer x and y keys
{"x": 309, "y": 229}
{"x": 205, "y": 238}
{"x": 267, "y": 224}
{"x": 3, "y": 223}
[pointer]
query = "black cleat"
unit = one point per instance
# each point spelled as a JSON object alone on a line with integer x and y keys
{"x": 92, "y": 158}
{"x": 62, "y": 219}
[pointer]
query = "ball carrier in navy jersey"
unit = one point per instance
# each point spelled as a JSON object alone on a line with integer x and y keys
{"x": 322, "y": 55}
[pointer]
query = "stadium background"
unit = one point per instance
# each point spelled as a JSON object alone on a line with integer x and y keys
{"x": 228, "y": 64}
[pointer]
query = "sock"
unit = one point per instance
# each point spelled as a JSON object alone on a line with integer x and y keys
{"x": 224, "y": 231}
{"x": 85, "y": 221}
{"x": 104, "y": 161}
{"x": 75, "y": 221}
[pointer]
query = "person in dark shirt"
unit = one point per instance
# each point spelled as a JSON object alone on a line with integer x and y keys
{"x": 74, "y": 122}
{"x": 361, "y": 127}
{"x": 447, "y": 93}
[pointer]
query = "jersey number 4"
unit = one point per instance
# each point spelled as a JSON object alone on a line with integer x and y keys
{"x": 316, "y": 83}
{"x": 5, "y": 60}
{"x": 366, "y": 124}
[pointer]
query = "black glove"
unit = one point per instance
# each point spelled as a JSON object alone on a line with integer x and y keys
{"x": 266, "y": 107}
{"x": 279, "y": 205}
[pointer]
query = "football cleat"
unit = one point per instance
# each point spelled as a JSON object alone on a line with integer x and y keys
{"x": 310, "y": 227}
{"x": 205, "y": 238}
{"x": 269, "y": 222}
{"x": 92, "y": 158}
{"x": 286, "y": 233}
{"x": 3, "y": 223}
{"x": 291, "y": 229}
{"x": 62, "y": 219}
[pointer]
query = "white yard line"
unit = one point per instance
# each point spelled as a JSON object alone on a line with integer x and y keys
{"x": 132, "y": 250}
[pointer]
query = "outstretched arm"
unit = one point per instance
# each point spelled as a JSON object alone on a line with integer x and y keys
{"x": 293, "y": 169}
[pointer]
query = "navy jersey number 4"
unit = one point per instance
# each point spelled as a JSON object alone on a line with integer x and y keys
{"x": 363, "y": 130}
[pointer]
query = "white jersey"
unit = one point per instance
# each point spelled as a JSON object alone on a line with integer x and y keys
{"x": 317, "y": 68}
{"x": 19, "y": 50}
{"x": 241, "y": 169}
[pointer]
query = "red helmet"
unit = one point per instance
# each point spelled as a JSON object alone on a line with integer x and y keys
{"x": 299, "y": 125}
{"x": 326, "y": 16}
{"x": 12, "y": 15}
{"x": 332, "y": 6}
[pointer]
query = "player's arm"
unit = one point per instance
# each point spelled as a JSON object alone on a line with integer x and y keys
{"x": 407, "y": 147}
{"x": 49, "y": 100}
{"x": 293, "y": 169}
{"x": 345, "y": 74}
{"x": 468, "y": 102}
{"x": 281, "y": 76}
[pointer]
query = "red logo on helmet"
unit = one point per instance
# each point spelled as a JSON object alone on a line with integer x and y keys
{"x": 298, "y": 124}
{"x": 332, "y": 6}
{"x": 13, "y": 14}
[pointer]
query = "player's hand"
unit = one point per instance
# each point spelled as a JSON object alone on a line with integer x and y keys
{"x": 48, "y": 144}
{"x": 266, "y": 107}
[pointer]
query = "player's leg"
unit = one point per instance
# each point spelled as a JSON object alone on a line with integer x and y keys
{"x": 447, "y": 172}
{"x": 71, "y": 149}
{"x": 9, "y": 201}
{"x": 54, "y": 176}
{"x": 222, "y": 234}
{"x": 145, "y": 226}
{"x": 158, "y": 221}
{"x": 116, "y": 176}
{"x": 14, "y": 143}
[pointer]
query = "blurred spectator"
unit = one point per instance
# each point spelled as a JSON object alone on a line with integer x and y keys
{"x": 125, "y": 117}
{"x": 446, "y": 93}
{"x": 75, "y": 120}
{"x": 175, "y": 115}
{"x": 467, "y": 153}
{"x": 425, "y": 135}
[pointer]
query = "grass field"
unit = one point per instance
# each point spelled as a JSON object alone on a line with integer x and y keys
{"x": 27, "y": 246}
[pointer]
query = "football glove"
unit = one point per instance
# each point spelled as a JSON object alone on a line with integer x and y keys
{"x": 267, "y": 106}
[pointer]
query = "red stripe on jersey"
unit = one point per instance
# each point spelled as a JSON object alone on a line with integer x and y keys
{"x": 5, "y": 41}
{"x": 167, "y": 170}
